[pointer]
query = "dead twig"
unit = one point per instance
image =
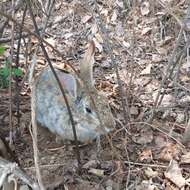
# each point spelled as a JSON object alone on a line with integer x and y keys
{"x": 17, "y": 78}
{"x": 145, "y": 165}
{"x": 10, "y": 77}
{"x": 5, "y": 165}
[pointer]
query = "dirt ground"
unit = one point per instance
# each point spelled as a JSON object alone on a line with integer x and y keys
{"x": 139, "y": 155}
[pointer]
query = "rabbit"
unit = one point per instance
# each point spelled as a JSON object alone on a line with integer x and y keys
{"x": 51, "y": 111}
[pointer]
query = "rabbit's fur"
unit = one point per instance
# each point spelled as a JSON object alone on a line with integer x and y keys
{"x": 51, "y": 111}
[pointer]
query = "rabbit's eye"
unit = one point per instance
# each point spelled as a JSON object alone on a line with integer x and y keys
{"x": 88, "y": 110}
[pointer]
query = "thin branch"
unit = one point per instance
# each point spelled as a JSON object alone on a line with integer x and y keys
{"x": 10, "y": 77}
{"x": 146, "y": 165}
{"x": 17, "y": 77}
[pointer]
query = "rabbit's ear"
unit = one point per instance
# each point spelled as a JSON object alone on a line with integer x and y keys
{"x": 69, "y": 82}
{"x": 86, "y": 66}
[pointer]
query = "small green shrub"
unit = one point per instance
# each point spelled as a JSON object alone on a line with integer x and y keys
{"x": 5, "y": 71}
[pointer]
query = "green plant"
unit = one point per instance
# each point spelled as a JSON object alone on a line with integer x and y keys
{"x": 2, "y": 50}
{"x": 5, "y": 71}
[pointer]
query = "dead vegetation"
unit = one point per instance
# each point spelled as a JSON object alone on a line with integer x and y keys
{"x": 142, "y": 66}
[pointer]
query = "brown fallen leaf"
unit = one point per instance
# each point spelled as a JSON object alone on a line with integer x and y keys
{"x": 114, "y": 17}
{"x": 169, "y": 152}
{"x": 156, "y": 58}
{"x": 146, "y": 30}
{"x": 147, "y": 70}
{"x": 146, "y": 155}
{"x": 150, "y": 173}
{"x": 145, "y": 8}
{"x": 142, "y": 137}
{"x": 91, "y": 163}
{"x": 185, "y": 159}
{"x": 146, "y": 185}
{"x": 86, "y": 18}
{"x": 174, "y": 174}
{"x": 97, "y": 172}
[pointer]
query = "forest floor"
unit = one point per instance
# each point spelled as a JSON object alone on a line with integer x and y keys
{"x": 147, "y": 153}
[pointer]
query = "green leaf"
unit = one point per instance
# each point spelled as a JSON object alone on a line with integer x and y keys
{"x": 2, "y": 50}
{"x": 4, "y": 83}
{"x": 17, "y": 72}
{"x": 4, "y": 72}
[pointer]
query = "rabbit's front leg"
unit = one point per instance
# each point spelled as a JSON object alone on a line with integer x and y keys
{"x": 60, "y": 140}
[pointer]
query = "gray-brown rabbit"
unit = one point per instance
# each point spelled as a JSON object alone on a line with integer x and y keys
{"x": 50, "y": 109}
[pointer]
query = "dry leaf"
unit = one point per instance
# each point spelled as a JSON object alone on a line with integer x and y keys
{"x": 94, "y": 29}
{"x": 104, "y": 12}
{"x": 150, "y": 173}
{"x": 147, "y": 70}
{"x": 146, "y": 155}
{"x": 171, "y": 186}
{"x": 51, "y": 41}
{"x": 146, "y": 185}
{"x": 58, "y": 6}
{"x": 174, "y": 174}
{"x": 99, "y": 38}
{"x": 186, "y": 65}
{"x": 167, "y": 100}
{"x": 184, "y": 100}
{"x": 134, "y": 110}
{"x": 160, "y": 141}
{"x": 146, "y": 30}
{"x": 167, "y": 40}
{"x": 142, "y": 137}
{"x": 58, "y": 19}
{"x": 186, "y": 135}
{"x": 114, "y": 17}
{"x": 120, "y": 4}
{"x": 126, "y": 44}
{"x": 144, "y": 61}
{"x": 91, "y": 163}
{"x": 185, "y": 159}
{"x": 112, "y": 185}
{"x": 162, "y": 51}
{"x": 86, "y": 18}
{"x": 180, "y": 118}
{"x": 156, "y": 58}
{"x": 169, "y": 152}
{"x": 68, "y": 35}
{"x": 24, "y": 187}
{"x": 98, "y": 45}
{"x": 97, "y": 172}
{"x": 145, "y": 8}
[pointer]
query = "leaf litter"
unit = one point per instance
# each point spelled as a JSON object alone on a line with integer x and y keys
{"x": 149, "y": 159}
